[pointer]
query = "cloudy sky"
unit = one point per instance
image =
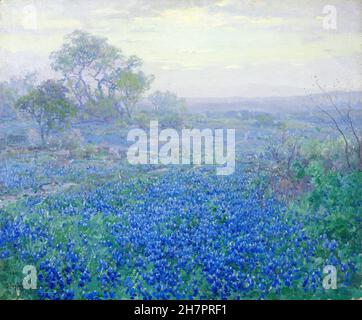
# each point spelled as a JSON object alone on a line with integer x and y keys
{"x": 205, "y": 48}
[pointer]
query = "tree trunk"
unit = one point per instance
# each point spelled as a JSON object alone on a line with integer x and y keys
{"x": 43, "y": 137}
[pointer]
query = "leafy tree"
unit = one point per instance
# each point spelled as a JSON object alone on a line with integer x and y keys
{"x": 104, "y": 110}
{"x": 265, "y": 120}
{"x": 8, "y": 98}
{"x": 96, "y": 71}
{"x": 143, "y": 119}
{"x": 11, "y": 90}
{"x": 167, "y": 101}
{"x": 87, "y": 64}
{"x": 22, "y": 85}
{"x": 48, "y": 106}
{"x": 167, "y": 107}
{"x": 132, "y": 87}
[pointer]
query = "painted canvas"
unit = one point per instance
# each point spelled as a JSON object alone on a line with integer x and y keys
{"x": 180, "y": 150}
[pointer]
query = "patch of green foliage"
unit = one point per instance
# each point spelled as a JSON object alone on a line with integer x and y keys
{"x": 335, "y": 201}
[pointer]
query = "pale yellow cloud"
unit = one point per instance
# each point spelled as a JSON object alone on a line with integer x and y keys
{"x": 61, "y": 24}
{"x": 260, "y": 21}
{"x": 230, "y": 36}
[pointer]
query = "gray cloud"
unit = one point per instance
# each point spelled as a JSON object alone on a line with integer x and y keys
{"x": 223, "y": 47}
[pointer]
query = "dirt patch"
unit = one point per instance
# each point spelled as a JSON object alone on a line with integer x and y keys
{"x": 44, "y": 190}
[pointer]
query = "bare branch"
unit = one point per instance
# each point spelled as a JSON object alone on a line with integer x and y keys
{"x": 346, "y": 148}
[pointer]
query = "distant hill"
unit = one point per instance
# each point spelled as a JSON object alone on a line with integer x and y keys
{"x": 274, "y": 104}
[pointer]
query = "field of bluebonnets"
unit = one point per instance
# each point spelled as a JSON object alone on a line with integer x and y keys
{"x": 96, "y": 227}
